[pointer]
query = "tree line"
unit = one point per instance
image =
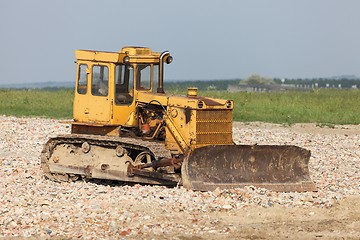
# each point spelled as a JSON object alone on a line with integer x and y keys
{"x": 222, "y": 85}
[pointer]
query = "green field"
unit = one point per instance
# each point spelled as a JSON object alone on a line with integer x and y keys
{"x": 52, "y": 104}
{"x": 322, "y": 106}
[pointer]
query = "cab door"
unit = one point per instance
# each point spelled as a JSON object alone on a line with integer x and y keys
{"x": 92, "y": 102}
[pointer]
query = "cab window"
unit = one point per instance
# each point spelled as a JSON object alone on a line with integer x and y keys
{"x": 143, "y": 77}
{"x": 155, "y": 79}
{"x": 124, "y": 84}
{"x": 100, "y": 80}
{"x": 82, "y": 79}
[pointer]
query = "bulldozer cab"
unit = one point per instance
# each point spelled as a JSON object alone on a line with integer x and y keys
{"x": 108, "y": 83}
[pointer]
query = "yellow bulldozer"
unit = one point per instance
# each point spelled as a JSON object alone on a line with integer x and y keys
{"x": 126, "y": 128}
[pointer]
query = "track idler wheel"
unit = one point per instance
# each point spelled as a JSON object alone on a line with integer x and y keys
{"x": 144, "y": 158}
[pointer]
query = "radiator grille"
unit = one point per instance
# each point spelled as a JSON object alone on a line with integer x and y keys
{"x": 213, "y": 127}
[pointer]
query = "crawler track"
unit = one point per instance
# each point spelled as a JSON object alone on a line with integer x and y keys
{"x": 156, "y": 149}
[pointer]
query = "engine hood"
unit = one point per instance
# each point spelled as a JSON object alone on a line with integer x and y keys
{"x": 194, "y": 102}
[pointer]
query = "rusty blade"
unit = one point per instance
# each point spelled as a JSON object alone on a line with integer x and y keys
{"x": 275, "y": 167}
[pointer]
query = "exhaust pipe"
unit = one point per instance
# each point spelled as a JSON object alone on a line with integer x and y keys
{"x": 169, "y": 59}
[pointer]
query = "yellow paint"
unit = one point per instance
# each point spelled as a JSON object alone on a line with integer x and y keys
{"x": 117, "y": 106}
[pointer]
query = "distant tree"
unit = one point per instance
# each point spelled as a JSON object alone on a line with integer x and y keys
{"x": 258, "y": 80}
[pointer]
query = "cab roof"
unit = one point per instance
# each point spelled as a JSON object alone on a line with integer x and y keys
{"x": 136, "y": 55}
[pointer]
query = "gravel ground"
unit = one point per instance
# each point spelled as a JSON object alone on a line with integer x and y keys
{"x": 33, "y": 207}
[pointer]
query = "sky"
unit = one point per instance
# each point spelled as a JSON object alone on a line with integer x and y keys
{"x": 209, "y": 40}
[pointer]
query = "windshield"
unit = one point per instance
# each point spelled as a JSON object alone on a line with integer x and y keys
{"x": 147, "y": 77}
{"x": 143, "y": 77}
{"x": 155, "y": 79}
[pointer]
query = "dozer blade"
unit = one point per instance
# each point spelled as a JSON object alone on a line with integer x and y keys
{"x": 278, "y": 168}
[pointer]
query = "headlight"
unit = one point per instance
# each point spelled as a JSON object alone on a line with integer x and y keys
{"x": 126, "y": 59}
{"x": 228, "y": 104}
{"x": 169, "y": 59}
